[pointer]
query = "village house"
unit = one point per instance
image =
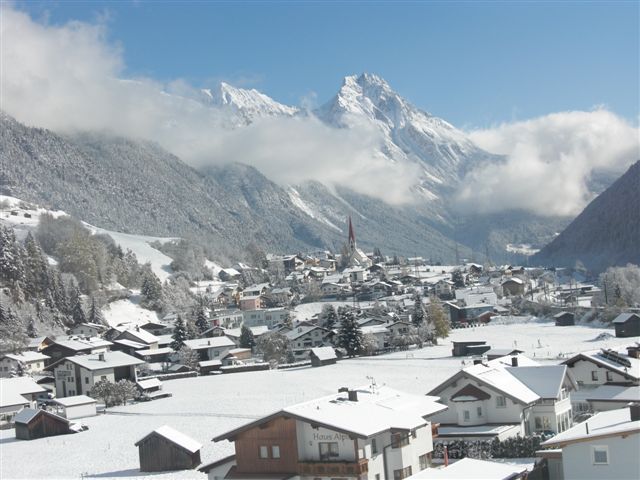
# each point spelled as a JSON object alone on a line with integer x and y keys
{"x": 609, "y": 397}
{"x": 333, "y": 289}
{"x": 504, "y": 398}
{"x": 78, "y": 406}
{"x": 564, "y": 319}
{"x": 251, "y": 302}
{"x": 166, "y": 449}
{"x": 18, "y": 393}
{"x": 28, "y": 362}
{"x": 305, "y": 336}
{"x": 235, "y": 333}
{"x": 39, "y": 343}
{"x": 598, "y": 367}
{"x": 321, "y": 356}
{"x": 227, "y": 318}
{"x": 76, "y": 375}
{"x": 370, "y": 432}
{"x": 264, "y": 316}
{"x": 379, "y": 332}
{"x": 512, "y": 287}
{"x": 399, "y": 328}
{"x": 280, "y": 297}
{"x": 88, "y": 330}
{"x": 255, "y": 290}
{"x": 140, "y": 336}
{"x": 61, "y": 348}
{"x": 604, "y": 446}
{"x": 474, "y": 469}
{"x": 211, "y": 348}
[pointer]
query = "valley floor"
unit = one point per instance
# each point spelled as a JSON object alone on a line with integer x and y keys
{"x": 206, "y": 406}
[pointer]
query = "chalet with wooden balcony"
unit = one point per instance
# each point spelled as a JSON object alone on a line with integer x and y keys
{"x": 368, "y": 433}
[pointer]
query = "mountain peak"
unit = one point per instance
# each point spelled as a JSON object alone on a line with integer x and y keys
{"x": 250, "y": 104}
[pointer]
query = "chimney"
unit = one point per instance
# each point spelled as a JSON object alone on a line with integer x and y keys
{"x": 634, "y": 411}
{"x": 514, "y": 361}
{"x": 353, "y": 395}
{"x": 101, "y": 357}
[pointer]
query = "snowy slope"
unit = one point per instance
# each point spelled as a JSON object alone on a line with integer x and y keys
{"x": 128, "y": 311}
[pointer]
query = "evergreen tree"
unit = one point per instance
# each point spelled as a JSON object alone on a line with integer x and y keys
{"x": 11, "y": 257}
{"x": 151, "y": 289}
{"x": 179, "y": 334}
{"x": 192, "y": 330}
{"x": 418, "y": 310}
{"x": 95, "y": 314}
{"x": 350, "y": 335}
{"x": 12, "y": 335}
{"x": 458, "y": 278}
{"x": 77, "y": 312}
{"x": 202, "y": 322}
{"x": 247, "y": 339}
{"x": 32, "y": 331}
{"x": 328, "y": 316}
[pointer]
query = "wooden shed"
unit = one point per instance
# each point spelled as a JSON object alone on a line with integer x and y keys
{"x": 461, "y": 349}
{"x": 323, "y": 356}
{"x": 564, "y": 319}
{"x": 627, "y": 325}
{"x": 166, "y": 449}
{"x": 32, "y": 424}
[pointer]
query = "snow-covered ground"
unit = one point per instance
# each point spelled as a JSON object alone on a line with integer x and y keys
{"x": 19, "y": 222}
{"x": 141, "y": 246}
{"x": 306, "y": 311}
{"x": 128, "y": 311}
{"x": 207, "y": 406}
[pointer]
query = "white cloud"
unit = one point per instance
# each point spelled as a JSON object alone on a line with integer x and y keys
{"x": 549, "y": 162}
{"x": 69, "y": 78}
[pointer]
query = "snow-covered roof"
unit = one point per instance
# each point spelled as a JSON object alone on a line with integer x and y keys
{"x": 13, "y": 389}
{"x": 514, "y": 280}
{"x": 149, "y": 383}
{"x": 611, "y": 422}
{"x": 498, "y": 377}
{"x": 236, "y": 332}
{"x": 176, "y": 437}
{"x": 373, "y": 329}
{"x": 74, "y": 401}
{"x": 209, "y": 363}
{"x": 300, "y": 331}
{"x": 26, "y": 357}
{"x": 27, "y": 414}
{"x": 377, "y": 409}
{"x": 470, "y": 468}
{"x": 154, "y": 351}
{"x": 623, "y": 317}
{"x": 546, "y": 381}
{"x": 614, "y": 393}
{"x": 111, "y": 360}
{"x": 212, "y": 342}
{"x": 489, "y": 430}
{"x": 130, "y": 343}
{"x": 324, "y": 353}
{"x": 142, "y": 335}
{"x": 630, "y": 369}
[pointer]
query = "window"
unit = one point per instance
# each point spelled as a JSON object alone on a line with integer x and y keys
{"x": 377, "y": 476}
{"x": 594, "y": 375}
{"x": 423, "y": 460}
{"x": 479, "y": 411}
{"x": 374, "y": 446}
{"x": 264, "y": 451}
{"x": 399, "y": 440}
{"x": 275, "y": 451}
{"x": 609, "y": 377}
{"x": 501, "y": 401}
{"x": 466, "y": 416}
{"x": 103, "y": 377}
{"x": 70, "y": 379}
{"x": 538, "y": 422}
{"x": 328, "y": 450}
{"x": 86, "y": 380}
{"x": 402, "y": 473}
{"x": 600, "y": 455}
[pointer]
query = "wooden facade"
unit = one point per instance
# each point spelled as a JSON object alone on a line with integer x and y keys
{"x": 42, "y": 424}
{"x": 279, "y": 432}
{"x": 158, "y": 454}
{"x": 627, "y": 325}
{"x": 564, "y": 319}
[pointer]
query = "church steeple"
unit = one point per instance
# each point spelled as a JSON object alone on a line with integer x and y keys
{"x": 352, "y": 237}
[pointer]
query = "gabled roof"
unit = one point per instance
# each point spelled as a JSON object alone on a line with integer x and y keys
{"x": 175, "y": 437}
{"x": 470, "y": 393}
{"x": 546, "y": 381}
{"x": 26, "y": 415}
{"x": 297, "y": 332}
{"x": 111, "y": 360}
{"x": 140, "y": 334}
{"x": 13, "y": 389}
{"x": 377, "y": 410}
{"x": 324, "y": 353}
{"x": 623, "y": 317}
{"x": 610, "y": 423}
{"x": 26, "y": 357}
{"x": 149, "y": 383}
{"x": 75, "y": 400}
{"x": 597, "y": 357}
{"x": 614, "y": 393}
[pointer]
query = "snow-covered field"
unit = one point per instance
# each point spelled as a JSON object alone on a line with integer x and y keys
{"x": 207, "y": 406}
{"x": 128, "y": 311}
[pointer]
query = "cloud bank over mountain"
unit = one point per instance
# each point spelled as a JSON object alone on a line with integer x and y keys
{"x": 70, "y": 78}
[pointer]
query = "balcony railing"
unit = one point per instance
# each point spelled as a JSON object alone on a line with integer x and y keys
{"x": 323, "y": 468}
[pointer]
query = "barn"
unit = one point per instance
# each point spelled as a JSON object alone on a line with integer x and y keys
{"x": 166, "y": 449}
{"x": 32, "y": 424}
{"x": 627, "y": 325}
{"x": 564, "y": 319}
{"x": 323, "y": 356}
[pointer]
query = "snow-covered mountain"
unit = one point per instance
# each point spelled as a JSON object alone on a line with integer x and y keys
{"x": 409, "y": 134}
{"x": 245, "y": 106}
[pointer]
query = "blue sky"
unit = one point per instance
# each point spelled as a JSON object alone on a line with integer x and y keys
{"x": 474, "y": 64}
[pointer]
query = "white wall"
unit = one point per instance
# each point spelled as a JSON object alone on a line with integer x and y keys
{"x": 309, "y": 439}
{"x": 80, "y": 411}
{"x": 582, "y": 369}
{"x": 624, "y": 461}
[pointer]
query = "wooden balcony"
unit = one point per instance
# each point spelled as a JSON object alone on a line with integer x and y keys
{"x": 321, "y": 469}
